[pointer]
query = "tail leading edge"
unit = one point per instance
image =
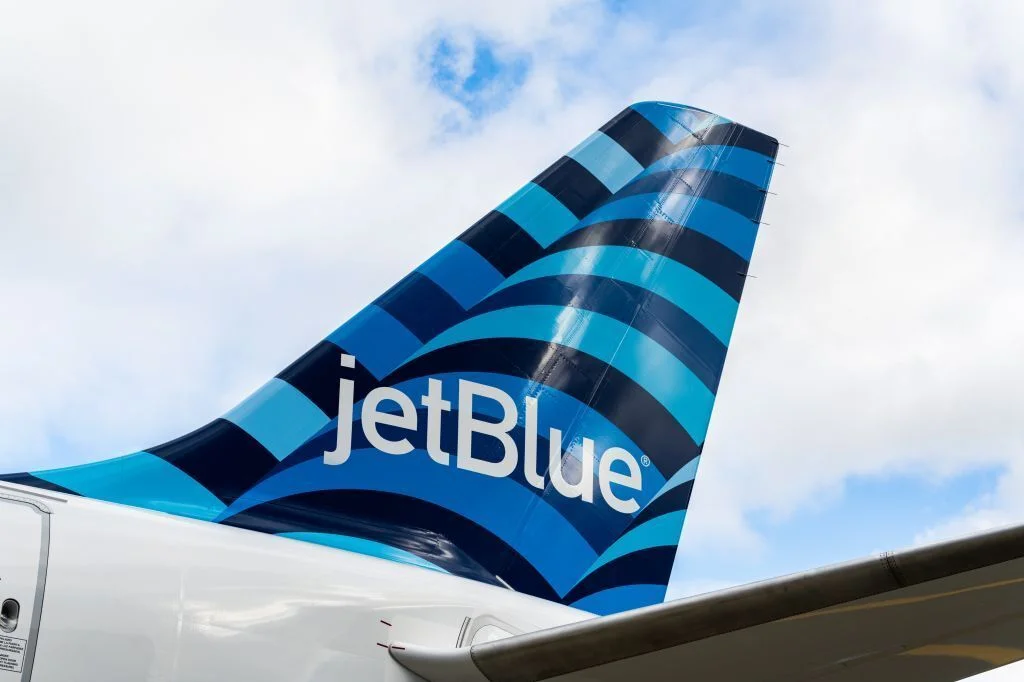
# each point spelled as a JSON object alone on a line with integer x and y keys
{"x": 527, "y": 407}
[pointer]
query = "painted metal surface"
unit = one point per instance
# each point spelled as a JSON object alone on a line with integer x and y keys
{"x": 134, "y": 595}
{"x": 138, "y": 595}
{"x": 936, "y": 614}
{"x": 588, "y": 315}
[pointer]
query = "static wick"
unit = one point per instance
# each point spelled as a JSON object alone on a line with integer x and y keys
{"x": 504, "y": 583}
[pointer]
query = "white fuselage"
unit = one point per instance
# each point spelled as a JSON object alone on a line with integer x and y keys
{"x": 124, "y": 595}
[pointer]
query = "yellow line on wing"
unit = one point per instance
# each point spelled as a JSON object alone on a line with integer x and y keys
{"x": 993, "y": 655}
{"x": 903, "y": 601}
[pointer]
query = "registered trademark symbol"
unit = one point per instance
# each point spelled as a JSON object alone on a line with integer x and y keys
{"x": 645, "y": 460}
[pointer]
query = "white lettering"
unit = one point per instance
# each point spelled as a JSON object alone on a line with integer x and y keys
{"x": 559, "y": 463}
{"x": 468, "y": 425}
{"x": 372, "y": 417}
{"x": 343, "y": 446}
{"x": 585, "y": 486}
{"x": 435, "y": 405}
{"x": 632, "y": 480}
{"x": 530, "y": 445}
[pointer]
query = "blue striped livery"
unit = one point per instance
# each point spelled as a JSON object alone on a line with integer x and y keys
{"x": 528, "y": 407}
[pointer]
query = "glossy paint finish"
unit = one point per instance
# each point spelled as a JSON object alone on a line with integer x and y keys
{"x": 134, "y": 596}
{"x": 605, "y": 290}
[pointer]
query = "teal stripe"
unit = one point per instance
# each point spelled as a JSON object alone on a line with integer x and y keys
{"x": 462, "y": 272}
{"x": 540, "y": 214}
{"x": 741, "y": 163}
{"x": 606, "y": 160}
{"x": 687, "y": 473}
{"x": 631, "y": 352}
{"x": 731, "y": 229}
{"x": 378, "y": 340}
{"x": 691, "y": 291}
{"x": 139, "y": 480}
{"x": 661, "y": 531}
{"x": 279, "y": 417}
{"x": 676, "y": 121}
{"x": 362, "y": 546}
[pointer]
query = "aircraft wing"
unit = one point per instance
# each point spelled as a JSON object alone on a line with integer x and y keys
{"x": 931, "y": 614}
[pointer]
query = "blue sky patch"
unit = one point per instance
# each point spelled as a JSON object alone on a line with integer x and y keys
{"x": 477, "y": 73}
{"x": 870, "y": 514}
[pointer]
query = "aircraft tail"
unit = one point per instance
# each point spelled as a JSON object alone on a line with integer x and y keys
{"x": 528, "y": 406}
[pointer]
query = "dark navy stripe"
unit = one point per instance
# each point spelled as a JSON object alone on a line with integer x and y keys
{"x": 35, "y": 482}
{"x": 221, "y": 457}
{"x": 661, "y": 320}
{"x": 421, "y": 306}
{"x": 605, "y": 389}
{"x": 437, "y": 535}
{"x": 674, "y": 500}
{"x": 733, "y": 193}
{"x": 734, "y": 135}
{"x": 596, "y": 522}
{"x": 638, "y": 136}
{"x": 502, "y": 242}
{"x": 702, "y": 254}
{"x": 317, "y": 373}
{"x": 573, "y": 185}
{"x": 651, "y": 566}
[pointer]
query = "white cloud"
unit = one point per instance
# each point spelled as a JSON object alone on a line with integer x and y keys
{"x": 881, "y": 334}
{"x": 193, "y": 194}
{"x": 1004, "y": 506}
{"x": 190, "y": 195}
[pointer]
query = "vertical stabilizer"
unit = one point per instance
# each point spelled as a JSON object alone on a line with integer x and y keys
{"x": 528, "y": 406}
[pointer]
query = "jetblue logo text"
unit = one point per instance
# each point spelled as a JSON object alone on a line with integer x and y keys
{"x": 406, "y": 418}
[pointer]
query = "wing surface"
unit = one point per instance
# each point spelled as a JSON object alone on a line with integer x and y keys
{"x": 933, "y": 614}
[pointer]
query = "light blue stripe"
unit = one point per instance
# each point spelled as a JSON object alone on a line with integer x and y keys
{"x": 687, "y": 473}
{"x": 543, "y": 216}
{"x": 676, "y": 121}
{"x": 139, "y": 480}
{"x": 741, "y": 163}
{"x": 548, "y": 541}
{"x": 724, "y": 225}
{"x": 637, "y": 356}
{"x": 363, "y": 546}
{"x": 691, "y": 291}
{"x": 606, "y": 160}
{"x": 376, "y": 339}
{"x": 462, "y": 272}
{"x": 622, "y": 598}
{"x": 661, "y": 531}
{"x": 279, "y": 416}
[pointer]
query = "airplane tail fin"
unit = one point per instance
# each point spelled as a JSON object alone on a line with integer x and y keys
{"x": 528, "y": 406}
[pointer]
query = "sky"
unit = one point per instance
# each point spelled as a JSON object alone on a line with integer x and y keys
{"x": 192, "y": 194}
